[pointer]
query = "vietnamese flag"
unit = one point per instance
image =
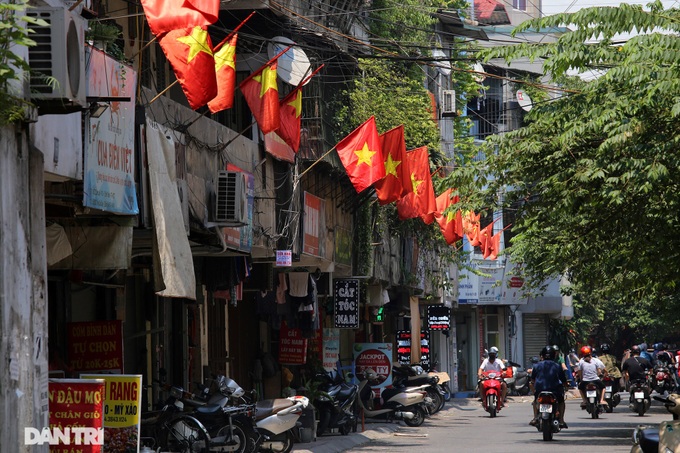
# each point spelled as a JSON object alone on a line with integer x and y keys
{"x": 189, "y": 51}
{"x": 450, "y": 223}
{"x": 485, "y": 235}
{"x": 225, "y": 71}
{"x": 361, "y": 155}
{"x": 421, "y": 201}
{"x": 396, "y": 182}
{"x": 262, "y": 95}
{"x": 495, "y": 246}
{"x": 290, "y": 111}
{"x": 168, "y": 15}
{"x": 471, "y": 227}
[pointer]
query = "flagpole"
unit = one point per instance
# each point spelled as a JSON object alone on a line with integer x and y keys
{"x": 316, "y": 162}
{"x": 229, "y": 36}
{"x": 239, "y": 134}
{"x": 163, "y": 92}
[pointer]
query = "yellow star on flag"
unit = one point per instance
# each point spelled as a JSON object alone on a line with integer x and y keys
{"x": 296, "y": 103}
{"x": 415, "y": 183}
{"x": 450, "y": 216}
{"x": 365, "y": 155}
{"x": 197, "y": 42}
{"x": 225, "y": 57}
{"x": 267, "y": 80}
{"x": 391, "y": 166}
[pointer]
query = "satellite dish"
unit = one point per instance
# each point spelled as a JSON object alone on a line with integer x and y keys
{"x": 479, "y": 70}
{"x": 293, "y": 66}
{"x": 444, "y": 66}
{"x": 524, "y": 100}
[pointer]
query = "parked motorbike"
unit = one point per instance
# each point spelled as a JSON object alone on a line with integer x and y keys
{"x": 640, "y": 400}
{"x": 155, "y": 424}
{"x": 664, "y": 437}
{"x": 276, "y": 419}
{"x": 413, "y": 377}
{"x": 611, "y": 393}
{"x": 548, "y": 410}
{"x": 593, "y": 405}
{"x": 491, "y": 383}
{"x": 336, "y": 405}
{"x": 443, "y": 382}
{"x": 662, "y": 379}
{"x": 398, "y": 404}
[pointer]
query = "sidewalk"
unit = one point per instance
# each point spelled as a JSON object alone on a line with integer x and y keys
{"x": 335, "y": 443}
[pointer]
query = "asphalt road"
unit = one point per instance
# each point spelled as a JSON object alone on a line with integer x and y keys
{"x": 463, "y": 426}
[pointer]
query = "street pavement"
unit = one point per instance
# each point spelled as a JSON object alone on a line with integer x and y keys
{"x": 463, "y": 426}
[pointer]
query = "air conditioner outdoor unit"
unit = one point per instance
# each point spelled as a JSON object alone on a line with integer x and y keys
{"x": 60, "y": 54}
{"x": 448, "y": 103}
{"x": 231, "y": 200}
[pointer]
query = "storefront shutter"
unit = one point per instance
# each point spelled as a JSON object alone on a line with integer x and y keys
{"x": 535, "y": 335}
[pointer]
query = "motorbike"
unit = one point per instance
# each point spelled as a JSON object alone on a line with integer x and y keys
{"x": 336, "y": 404}
{"x": 611, "y": 393}
{"x": 662, "y": 380}
{"x": 155, "y": 424}
{"x": 491, "y": 383}
{"x": 664, "y": 437}
{"x": 276, "y": 419}
{"x": 593, "y": 406}
{"x": 398, "y": 404}
{"x": 548, "y": 418}
{"x": 517, "y": 379}
{"x": 444, "y": 380}
{"x": 413, "y": 377}
{"x": 640, "y": 400}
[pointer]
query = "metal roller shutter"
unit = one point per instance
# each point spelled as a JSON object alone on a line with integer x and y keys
{"x": 535, "y": 334}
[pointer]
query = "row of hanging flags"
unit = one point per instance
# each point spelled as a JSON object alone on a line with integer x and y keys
{"x": 207, "y": 76}
{"x": 381, "y": 161}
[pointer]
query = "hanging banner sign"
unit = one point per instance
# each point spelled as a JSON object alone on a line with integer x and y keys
{"x": 438, "y": 317}
{"x": 284, "y": 258}
{"x": 331, "y": 349}
{"x": 76, "y": 412}
{"x": 376, "y": 356}
{"x": 95, "y": 346}
{"x": 346, "y": 298}
{"x": 292, "y": 346}
{"x": 122, "y": 408}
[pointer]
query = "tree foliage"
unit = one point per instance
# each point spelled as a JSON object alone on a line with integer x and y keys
{"x": 595, "y": 173}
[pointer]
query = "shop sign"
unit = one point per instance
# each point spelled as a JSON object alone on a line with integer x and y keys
{"x": 95, "y": 346}
{"x": 76, "y": 412}
{"x": 438, "y": 317}
{"x": 292, "y": 346}
{"x": 490, "y": 285}
{"x": 314, "y": 225}
{"x": 346, "y": 303}
{"x": 122, "y": 408}
{"x": 468, "y": 288}
{"x": 376, "y": 356}
{"x": 331, "y": 349}
{"x": 404, "y": 348}
{"x": 284, "y": 258}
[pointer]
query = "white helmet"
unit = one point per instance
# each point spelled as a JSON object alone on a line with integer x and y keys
{"x": 493, "y": 350}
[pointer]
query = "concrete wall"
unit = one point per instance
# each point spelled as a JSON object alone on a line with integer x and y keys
{"x": 23, "y": 292}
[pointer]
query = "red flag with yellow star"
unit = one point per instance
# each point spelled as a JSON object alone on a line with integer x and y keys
{"x": 396, "y": 182}
{"x": 189, "y": 51}
{"x": 225, "y": 71}
{"x": 262, "y": 95}
{"x": 361, "y": 155}
{"x": 421, "y": 202}
{"x": 471, "y": 227}
{"x": 485, "y": 235}
{"x": 450, "y": 222}
{"x": 494, "y": 247}
{"x": 290, "y": 110}
{"x": 168, "y": 15}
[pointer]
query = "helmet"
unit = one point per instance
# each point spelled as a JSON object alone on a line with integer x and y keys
{"x": 556, "y": 348}
{"x": 635, "y": 349}
{"x": 604, "y": 347}
{"x": 586, "y": 351}
{"x": 657, "y": 346}
{"x": 548, "y": 353}
{"x": 493, "y": 350}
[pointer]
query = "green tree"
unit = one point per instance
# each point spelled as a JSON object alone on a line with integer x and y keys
{"x": 595, "y": 173}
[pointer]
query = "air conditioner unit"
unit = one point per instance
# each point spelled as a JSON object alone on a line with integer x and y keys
{"x": 231, "y": 199}
{"x": 60, "y": 54}
{"x": 448, "y": 103}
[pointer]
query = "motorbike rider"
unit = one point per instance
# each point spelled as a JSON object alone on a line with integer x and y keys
{"x": 589, "y": 370}
{"x": 492, "y": 363}
{"x": 610, "y": 361}
{"x": 636, "y": 367}
{"x": 668, "y": 359}
{"x": 548, "y": 375}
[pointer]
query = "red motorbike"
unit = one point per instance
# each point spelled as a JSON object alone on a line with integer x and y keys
{"x": 491, "y": 384}
{"x": 662, "y": 380}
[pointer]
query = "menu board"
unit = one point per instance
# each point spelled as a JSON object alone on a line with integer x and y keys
{"x": 438, "y": 317}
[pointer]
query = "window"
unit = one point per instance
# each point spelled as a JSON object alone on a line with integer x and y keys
{"x": 519, "y": 4}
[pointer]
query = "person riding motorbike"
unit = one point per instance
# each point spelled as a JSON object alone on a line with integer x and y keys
{"x": 492, "y": 363}
{"x": 665, "y": 357}
{"x": 548, "y": 375}
{"x": 636, "y": 367}
{"x": 610, "y": 361}
{"x": 589, "y": 370}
